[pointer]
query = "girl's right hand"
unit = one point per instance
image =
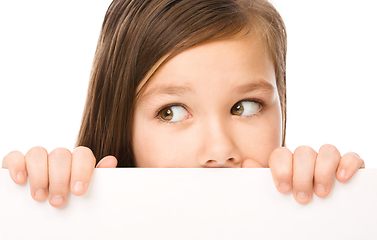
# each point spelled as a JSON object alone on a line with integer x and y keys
{"x": 53, "y": 175}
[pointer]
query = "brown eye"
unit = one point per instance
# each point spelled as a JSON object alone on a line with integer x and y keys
{"x": 237, "y": 109}
{"x": 246, "y": 108}
{"x": 174, "y": 114}
{"x": 166, "y": 114}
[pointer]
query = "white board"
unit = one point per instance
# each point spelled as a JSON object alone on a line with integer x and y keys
{"x": 142, "y": 203}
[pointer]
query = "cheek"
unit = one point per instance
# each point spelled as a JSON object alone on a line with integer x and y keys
{"x": 259, "y": 141}
{"x": 157, "y": 147}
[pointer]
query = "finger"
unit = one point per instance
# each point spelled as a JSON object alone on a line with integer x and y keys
{"x": 83, "y": 163}
{"x": 108, "y": 162}
{"x": 15, "y": 162}
{"x": 280, "y": 163}
{"x": 349, "y": 163}
{"x": 304, "y": 159}
{"x": 327, "y": 162}
{"x": 59, "y": 161}
{"x": 37, "y": 167}
{"x": 250, "y": 163}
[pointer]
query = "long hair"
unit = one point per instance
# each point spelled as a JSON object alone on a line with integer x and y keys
{"x": 137, "y": 34}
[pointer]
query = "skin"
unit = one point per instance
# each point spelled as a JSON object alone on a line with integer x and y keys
{"x": 207, "y": 82}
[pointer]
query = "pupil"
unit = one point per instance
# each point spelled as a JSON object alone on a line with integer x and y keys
{"x": 238, "y": 109}
{"x": 167, "y": 114}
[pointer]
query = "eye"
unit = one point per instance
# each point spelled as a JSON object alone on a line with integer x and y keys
{"x": 174, "y": 114}
{"x": 246, "y": 108}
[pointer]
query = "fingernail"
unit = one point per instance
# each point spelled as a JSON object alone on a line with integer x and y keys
{"x": 79, "y": 186}
{"x": 41, "y": 193}
{"x": 321, "y": 188}
{"x": 284, "y": 187}
{"x": 342, "y": 173}
{"x": 57, "y": 200}
{"x": 302, "y": 196}
{"x": 20, "y": 176}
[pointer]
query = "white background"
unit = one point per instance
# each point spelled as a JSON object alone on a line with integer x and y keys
{"x": 200, "y": 204}
{"x": 47, "y": 48}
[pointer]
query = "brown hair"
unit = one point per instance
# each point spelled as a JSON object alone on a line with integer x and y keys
{"x": 137, "y": 34}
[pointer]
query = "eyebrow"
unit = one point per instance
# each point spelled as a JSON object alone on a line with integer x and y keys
{"x": 261, "y": 85}
{"x": 168, "y": 90}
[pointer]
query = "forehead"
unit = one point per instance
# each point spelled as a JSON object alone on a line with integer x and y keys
{"x": 235, "y": 61}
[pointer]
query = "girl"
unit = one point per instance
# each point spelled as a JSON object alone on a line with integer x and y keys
{"x": 185, "y": 84}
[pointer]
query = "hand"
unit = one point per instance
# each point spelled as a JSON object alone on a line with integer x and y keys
{"x": 305, "y": 170}
{"x": 53, "y": 175}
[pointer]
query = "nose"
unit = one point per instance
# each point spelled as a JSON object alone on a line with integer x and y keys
{"x": 218, "y": 147}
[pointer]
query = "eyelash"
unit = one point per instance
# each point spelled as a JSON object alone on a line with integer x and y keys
{"x": 158, "y": 114}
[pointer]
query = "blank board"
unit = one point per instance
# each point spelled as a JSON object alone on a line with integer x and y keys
{"x": 188, "y": 203}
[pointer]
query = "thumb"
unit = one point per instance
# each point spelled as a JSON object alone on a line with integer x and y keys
{"x": 250, "y": 163}
{"x": 108, "y": 162}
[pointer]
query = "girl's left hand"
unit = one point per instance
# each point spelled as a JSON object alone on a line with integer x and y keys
{"x": 306, "y": 171}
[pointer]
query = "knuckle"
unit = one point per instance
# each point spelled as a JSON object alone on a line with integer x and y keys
{"x": 305, "y": 151}
{"x": 60, "y": 153}
{"x": 83, "y": 148}
{"x": 328, "y": 148}
{"x": 37, "y": 151}
{"x": 11, "y": 158}
{"x": 40, "y": 182}
{"x": 281, "y": 151}
{"x": 322, "y": 176}
{"x": 36, "y": 154}
{"x": 351, "y": 158}
{"x": 84, "y": 154}
{"x": 302, "y": 184}
{"x": 14, "y": 154}
{"x": 59, "y": 184}
{"x": 330, "y": 153}
{"x": 58, "y": 190}
{"x": 283, "y": 176}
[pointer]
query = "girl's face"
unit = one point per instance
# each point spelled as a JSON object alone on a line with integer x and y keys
{"x": 214, "y": 105}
